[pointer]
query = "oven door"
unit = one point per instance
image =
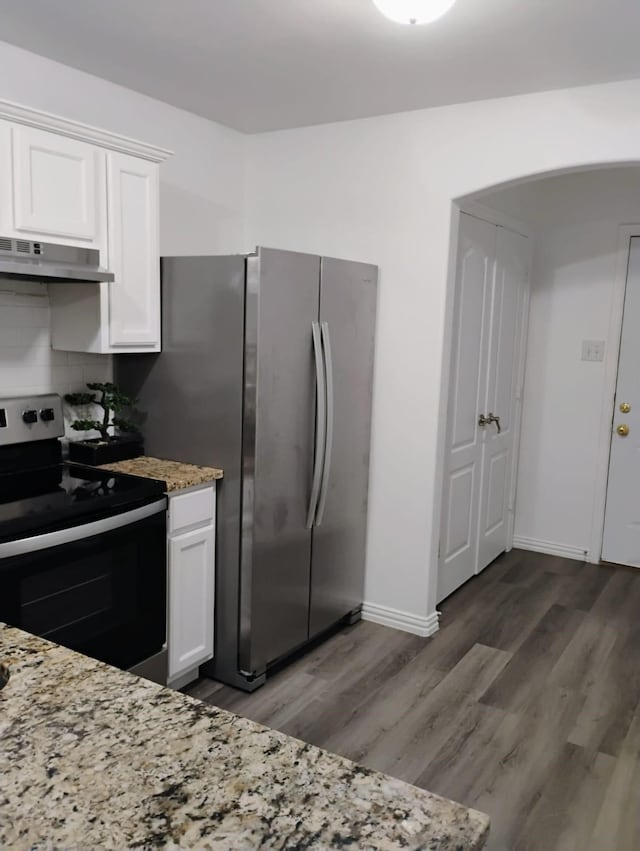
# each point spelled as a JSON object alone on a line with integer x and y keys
{"x": 99, "y": 588}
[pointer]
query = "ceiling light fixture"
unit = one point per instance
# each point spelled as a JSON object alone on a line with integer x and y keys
{"x": 413, "y": 11}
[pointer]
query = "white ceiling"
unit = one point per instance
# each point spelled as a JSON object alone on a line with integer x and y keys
{"x": 265, "y": 64}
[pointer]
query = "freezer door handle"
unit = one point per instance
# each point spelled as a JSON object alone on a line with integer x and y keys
{"x": 321, "y": 423}
{"x": 326, "y": 467}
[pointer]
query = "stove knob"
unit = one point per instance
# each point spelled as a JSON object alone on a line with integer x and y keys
{"x": 30, "y": 417}
{"x": 47, "y": 414}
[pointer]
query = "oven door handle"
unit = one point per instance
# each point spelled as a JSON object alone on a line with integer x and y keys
{"x": 79, "y": 533}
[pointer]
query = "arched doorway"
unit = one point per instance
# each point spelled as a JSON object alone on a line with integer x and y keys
{"x": 580, "y": 222}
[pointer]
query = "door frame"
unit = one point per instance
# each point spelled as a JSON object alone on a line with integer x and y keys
{"x": 625, "y": 234}
{"x": 494, "y": 217}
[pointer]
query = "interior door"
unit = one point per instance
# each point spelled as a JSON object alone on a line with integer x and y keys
{"x": 467, "y": 396}
{"x": 282, "y": 299}
{"x": 348, "y": 315}
{"x": 499, "y": 435}
{"x": 621, "y": 542}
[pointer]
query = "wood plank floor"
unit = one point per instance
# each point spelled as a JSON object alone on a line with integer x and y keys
{"x": 525, "y": 705}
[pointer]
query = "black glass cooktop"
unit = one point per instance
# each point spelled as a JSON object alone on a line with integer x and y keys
{"x": 66, "y": 494}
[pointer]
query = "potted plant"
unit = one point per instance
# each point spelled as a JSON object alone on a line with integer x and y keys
{"x": 125, "y": 441}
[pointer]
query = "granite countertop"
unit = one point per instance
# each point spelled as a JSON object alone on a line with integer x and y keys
{"x": 94, "y": 757}
{"x": 176, "y": 475}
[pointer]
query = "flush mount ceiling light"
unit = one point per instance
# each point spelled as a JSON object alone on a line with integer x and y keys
{"x": 413, "y": 11}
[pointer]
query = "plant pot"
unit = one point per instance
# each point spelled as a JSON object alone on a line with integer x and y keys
{"x": 97, "y": 451}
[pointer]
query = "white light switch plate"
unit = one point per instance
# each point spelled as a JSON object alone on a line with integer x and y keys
{"x": 593, "y": 350}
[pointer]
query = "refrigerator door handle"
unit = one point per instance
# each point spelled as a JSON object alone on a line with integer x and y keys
{"x": 321, "y": 423}
{"x": 326, "y": 467}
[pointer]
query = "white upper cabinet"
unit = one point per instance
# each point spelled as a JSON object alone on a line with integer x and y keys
{"x": 6, "y": 182}
{"x": 72, "y": 184}
{"x": 134, "y": 297}
{"x": 58, "y": 188}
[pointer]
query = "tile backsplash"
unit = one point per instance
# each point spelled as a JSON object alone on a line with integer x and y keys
{"x": 28, "y": 364}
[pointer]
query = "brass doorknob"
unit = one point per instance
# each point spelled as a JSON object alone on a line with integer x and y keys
{"x": 623, "y": 430}
{"x": 625, "y": 407}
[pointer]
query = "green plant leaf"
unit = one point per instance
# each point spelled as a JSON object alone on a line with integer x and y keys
{"x": 112, "y": 401}
{"x": 78, "y": 399}
{"x": 86, "y": 425}
{"x": 125, "y": 425}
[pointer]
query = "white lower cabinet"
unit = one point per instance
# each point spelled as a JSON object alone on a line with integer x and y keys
{"x": 191, "y": 567}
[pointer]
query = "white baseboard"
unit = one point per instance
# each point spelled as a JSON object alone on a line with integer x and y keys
{"x": 405, "y": 621}
{"x": 550, "y": 548}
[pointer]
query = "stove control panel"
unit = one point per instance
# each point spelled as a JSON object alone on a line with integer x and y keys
{"x": 29, "y": 418}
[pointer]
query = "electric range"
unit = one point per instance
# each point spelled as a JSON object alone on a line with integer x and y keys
{"x": 82, "y": 550}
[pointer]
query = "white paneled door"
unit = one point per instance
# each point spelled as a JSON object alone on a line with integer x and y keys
{"x": 134, "y": 309}
{"x": 621, "y": 543}
{"x": 491, "y": 281}
{"x": 474, "y": 281}
{"x": 191, "y": 600}
{"x": 503, "y": 395}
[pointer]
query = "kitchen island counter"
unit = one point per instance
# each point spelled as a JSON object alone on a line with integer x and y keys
{"x": 175, "y": 474}
{"x": 91, "y": 756}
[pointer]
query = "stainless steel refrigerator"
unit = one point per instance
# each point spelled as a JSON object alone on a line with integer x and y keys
{"x": 266, "y": 370}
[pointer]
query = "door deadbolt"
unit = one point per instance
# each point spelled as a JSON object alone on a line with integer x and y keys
{"x": 625, "y": 407}
{"x": 623, "y": 430}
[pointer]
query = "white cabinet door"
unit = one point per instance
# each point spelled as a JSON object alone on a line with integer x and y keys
{"x": 463, "y": 459}
{"x": 191, "y": 600}
{"x": 6, "y": 180}
{"x": 58, "y": 187}
{"x": 134, "y": 296}
{"x": 511, "y": 275}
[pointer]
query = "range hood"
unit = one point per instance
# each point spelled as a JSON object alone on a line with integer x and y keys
{"x": 49, "y": 263}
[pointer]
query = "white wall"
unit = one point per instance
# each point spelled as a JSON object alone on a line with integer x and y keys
{"x": 576, "y": 221}
{"x": 28, "y": 365}
{"x": 380, "y": 190}
{"x": 201, "y": 193}
{"x": 201, "y": 186}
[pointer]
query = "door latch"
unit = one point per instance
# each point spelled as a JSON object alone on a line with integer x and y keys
{"x": 490, "y": 418}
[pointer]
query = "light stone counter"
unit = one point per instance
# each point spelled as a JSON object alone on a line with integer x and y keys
{"x": 93, "y": 757}
{"x": 175, "y": 474}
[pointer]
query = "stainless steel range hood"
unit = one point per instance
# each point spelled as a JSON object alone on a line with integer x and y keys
{"x": 49, "y": 263}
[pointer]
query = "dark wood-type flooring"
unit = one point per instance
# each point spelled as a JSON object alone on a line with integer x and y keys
{"x": 525, "y": 705}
